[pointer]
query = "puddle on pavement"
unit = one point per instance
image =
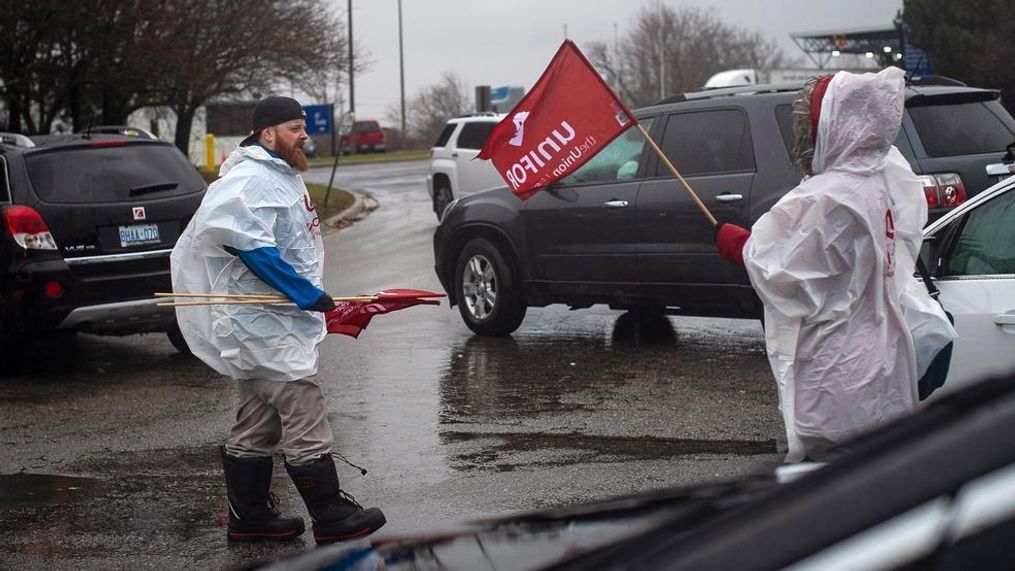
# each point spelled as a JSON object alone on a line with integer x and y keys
{"x": 141, "y": 506}
{"x": 39, "y": 490}
{"x": 546, "y": 449}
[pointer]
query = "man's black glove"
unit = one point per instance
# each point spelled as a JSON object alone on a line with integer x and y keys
{"x": 323, "y": 304}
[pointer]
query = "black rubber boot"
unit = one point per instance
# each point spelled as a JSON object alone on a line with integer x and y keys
{"x": 336, "y": 515}
{"x": 252, "y": 513}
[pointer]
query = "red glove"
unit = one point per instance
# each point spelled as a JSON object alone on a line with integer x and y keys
{"x": 730, "y": 240}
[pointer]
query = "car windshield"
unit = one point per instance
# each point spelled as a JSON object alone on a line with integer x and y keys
{"x": 111, "y": 174}
{"x": 367, "y": 126}
{"x": 961, "y": 129}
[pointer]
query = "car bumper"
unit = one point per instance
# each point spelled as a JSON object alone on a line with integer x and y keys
{"x": 118, "y": 301}
{"x": 122, "y": 317}
{"x": 444, "y": 274}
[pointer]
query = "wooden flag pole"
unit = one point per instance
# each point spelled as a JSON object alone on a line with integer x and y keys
{"x": 267, "y": 297}
{"x": 223, "y": 302}
{"x": 673, "y": 169}
{"x": 245, "y": 301}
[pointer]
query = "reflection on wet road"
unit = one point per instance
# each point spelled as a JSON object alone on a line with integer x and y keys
{"x": 505, "y": 386}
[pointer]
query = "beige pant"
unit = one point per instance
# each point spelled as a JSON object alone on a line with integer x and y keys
{"x": 290, "y": 415}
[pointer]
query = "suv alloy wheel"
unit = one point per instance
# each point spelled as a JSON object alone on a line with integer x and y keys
{"x": 489, "y": 295}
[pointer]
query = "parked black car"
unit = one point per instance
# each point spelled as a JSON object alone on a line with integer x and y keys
{"x": 89, "y": 222}
{"x": 932, "y": 491}
{"x": 621, "y": 231}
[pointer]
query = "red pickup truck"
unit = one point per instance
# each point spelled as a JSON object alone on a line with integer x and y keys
{"x": 367, "y": 136}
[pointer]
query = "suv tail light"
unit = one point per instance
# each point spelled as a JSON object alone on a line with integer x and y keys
{"x": 28, "y": 228}
{"x": 943, "y": 190}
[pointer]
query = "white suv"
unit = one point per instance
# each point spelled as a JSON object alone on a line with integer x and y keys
{"x": 453, "y": 172}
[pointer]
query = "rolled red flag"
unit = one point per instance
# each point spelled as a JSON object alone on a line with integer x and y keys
{"x": 352, "y": 317}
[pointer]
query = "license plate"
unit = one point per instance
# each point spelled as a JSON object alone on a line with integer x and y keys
{"x": 139, "y": 235}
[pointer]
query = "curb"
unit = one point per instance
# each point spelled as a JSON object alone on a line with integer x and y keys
{"x": 362, "y": 204}
{"x": 360, "y": 163}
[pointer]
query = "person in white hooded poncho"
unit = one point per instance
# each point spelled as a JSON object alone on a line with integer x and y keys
{"x": 257, "y": 232}
{"x": 832, "y": 261}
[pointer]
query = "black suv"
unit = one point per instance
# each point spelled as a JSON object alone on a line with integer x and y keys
{"x": 621, "y": 231}
{"x": 88, "y": 225}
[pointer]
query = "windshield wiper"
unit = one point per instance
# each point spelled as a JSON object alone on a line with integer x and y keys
{"x": 149, "y": 188}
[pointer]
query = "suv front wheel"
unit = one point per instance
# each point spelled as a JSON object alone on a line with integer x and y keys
{"x": 177, "y": 339}
{"x": 488, "y": 291}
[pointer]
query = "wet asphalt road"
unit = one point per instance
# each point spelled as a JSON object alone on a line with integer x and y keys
{"x": 108, "y": 446}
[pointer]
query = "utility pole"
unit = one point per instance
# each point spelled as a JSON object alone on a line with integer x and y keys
{"x": 352, "y": 92}
{"x": 401, "y": 65}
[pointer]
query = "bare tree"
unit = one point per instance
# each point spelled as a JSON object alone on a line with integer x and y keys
{"x": 110, "y": 57}
{"x": 431, "y": 107}
{"x": 37, "y": 62}
{"x": 121, "y": 69}
{"x": 91, "y": 58}
{"x": 223, "y": 47}
{"x": 675, "y": 50}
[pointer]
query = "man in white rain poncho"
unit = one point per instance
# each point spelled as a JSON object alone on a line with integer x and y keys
{"x": 831, "y": 266}
{"x": 257, "y": 232}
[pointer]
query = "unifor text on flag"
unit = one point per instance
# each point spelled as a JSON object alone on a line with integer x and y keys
{"x": 569, "y": 115}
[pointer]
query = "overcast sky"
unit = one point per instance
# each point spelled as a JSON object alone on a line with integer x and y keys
{"x": 509, "y": 42}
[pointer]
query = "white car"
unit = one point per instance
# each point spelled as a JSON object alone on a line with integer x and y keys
{"x": 970, "y": 252}
{"x": 453, "y": 170}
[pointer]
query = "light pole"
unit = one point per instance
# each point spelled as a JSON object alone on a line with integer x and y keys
{"x": 401, "y": 65}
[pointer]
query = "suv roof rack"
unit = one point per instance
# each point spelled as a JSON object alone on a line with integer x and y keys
{"x": 479, "y": 114}
{"x": 935, "y": 80}
{"x": 730, "y": 91}
{"x": 16, "y": 140}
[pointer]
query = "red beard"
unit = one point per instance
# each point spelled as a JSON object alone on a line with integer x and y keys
{"x": 293, "y": 155}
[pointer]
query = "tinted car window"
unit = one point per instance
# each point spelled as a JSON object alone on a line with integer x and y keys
{"x": 986, "y": 245}
{"x": 784, "y": 118}
{"x": 445, "y": 135}
{"x": 708, "y": 142}
{"x": 366, "y": 126}
{"x": 961, "y": 129}
{"x": 111, "y": 174}
{"x": 617, "y": 161}
{"x": 474, "y": 135}
{"x": 5, "y": 189}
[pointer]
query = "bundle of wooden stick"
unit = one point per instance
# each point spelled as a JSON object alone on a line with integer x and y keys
{"x": 242, "y": 299}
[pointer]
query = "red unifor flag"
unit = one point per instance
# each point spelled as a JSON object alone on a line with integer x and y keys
{"x": 352, "y": 317}
{"x": 567, "y": 117}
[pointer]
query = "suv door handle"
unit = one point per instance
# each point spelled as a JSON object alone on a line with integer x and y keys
{"x": 729, "y": 197}
{"x": 454, "y": 155}
{"x": 615, "y": 204}
{"x": 1005, "y": 319}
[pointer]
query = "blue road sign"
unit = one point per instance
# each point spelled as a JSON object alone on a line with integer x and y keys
{"x": 318, "y": 119}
